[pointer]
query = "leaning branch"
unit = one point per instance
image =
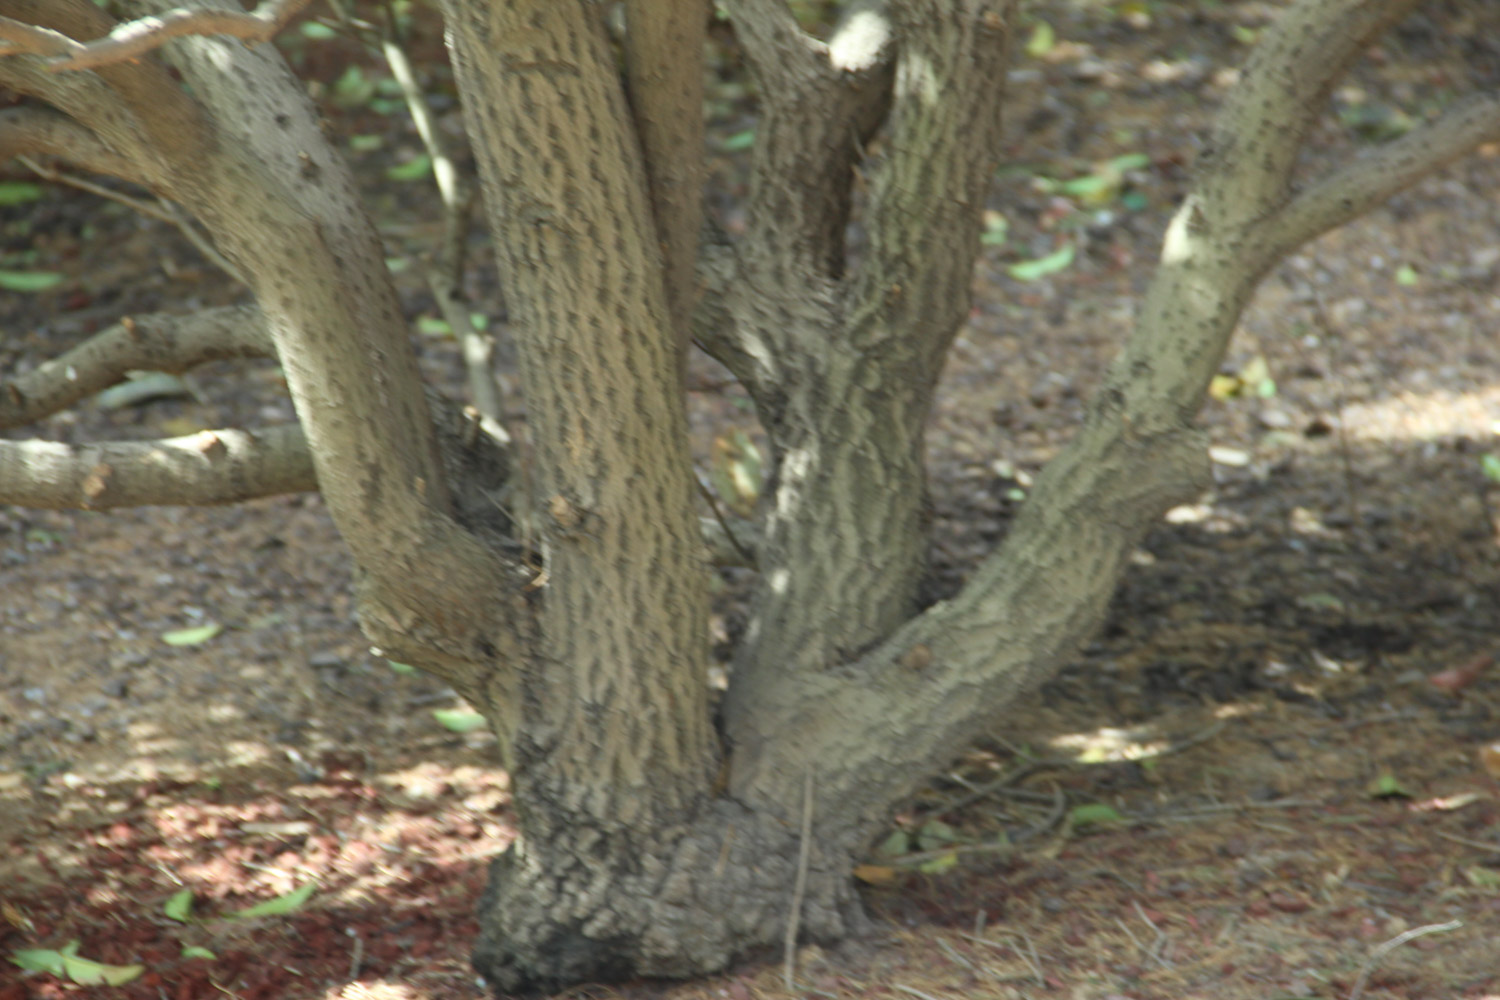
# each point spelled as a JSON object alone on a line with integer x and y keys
{"x": 928, "y": 191}
{"x": 30, "y": 131}
{"x": 134, "y": 39}
{"x": 1025, "y": 610}
{"x": 1283, "y": 90}
{"x": 818, "y": 106}
{"x": 210, "y": 467}
{"x": 134, "y": 106}
{"x": 158, "y": 342}
{"x": 1355, "y": 188}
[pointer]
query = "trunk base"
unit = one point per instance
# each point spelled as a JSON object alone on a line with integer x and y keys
{"x": 596, "y": 907}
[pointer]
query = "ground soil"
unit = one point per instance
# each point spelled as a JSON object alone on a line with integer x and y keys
{"x": 1258, "y": 781}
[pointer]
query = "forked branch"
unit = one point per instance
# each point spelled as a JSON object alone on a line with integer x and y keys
{"x": 1354, "y": 188}
{"x": 1026, "y": 608}
{"x": 819, "y": 104}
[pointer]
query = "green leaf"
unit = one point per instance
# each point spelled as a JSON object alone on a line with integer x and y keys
{"x": 1042, "y": 40}
{"x": 39, "y": 960}
{"x": 1489, "y": 464}
{"x": 65, "y": 964}
{"x": 365, "y": 143}
{"x": 404, "y": 669}
{"x": 180, "y": 906}
{"x": 1093, "y": 814}
{"x": 996, "y": 232}
{"x": 1388, "y": 786}
{"x": 1320, "y": 601}
{"x": 1482, "y": 878}
{"x": 353, "y": 88}
{"x": 935, "y": 834}
{"x": 142, "y": 388}
{"x": 1406, "y": 276}
{"x": 195, "y": 636}
{"x": 459, "y": 722}
{"x": 1041, "y": 267}
{"x": 279, "y": 906}
{"x": 88, "y": 973}
{"x": 432, "y": 326}
{"x": 193, "y": 951}
{"x": 19, "y": 192}
{"x": 29, "y": 281}
{"x": 738, "y": 142}
{"x": 414, "y": 169}
{"x": 1128, "y": 161}
{"x": 1090, "y": 186}
{"x": 895, "y": 845}
{"x": 317, "y": 31}
{"x": 946, "y": 861}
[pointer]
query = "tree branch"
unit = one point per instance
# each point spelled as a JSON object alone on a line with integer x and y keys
{"x": 928, "y": 192}
{"x": 134, "y": 107}
{"x": 210, "y": 467}
{"x": 1246, "y": 167}
{"x": 818, "y": 106}
{"x": 133, "y": 39}
{"x": 1354, "y": 188}
{"x": 1028, "y": 606}
{"x": 158, "y": 342}
{"x": 664, "y": 41}
{"x": 27, "y": 131}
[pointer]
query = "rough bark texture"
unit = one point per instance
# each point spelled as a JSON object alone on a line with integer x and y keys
{"x": 583, "y": 637}
{"x": 613, "y": 754}
{"x": 845, "y": 366}
{"x": 664, "y": 64}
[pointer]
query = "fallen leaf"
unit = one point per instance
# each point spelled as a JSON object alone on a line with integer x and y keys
{"x": 289, "y": 903}
{"x": 1455, "y": 679}
{"x": 875, "y": 874}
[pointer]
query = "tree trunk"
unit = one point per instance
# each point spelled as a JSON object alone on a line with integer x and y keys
{"x": 646, "y": 847}
{"x": 678, "y": 900}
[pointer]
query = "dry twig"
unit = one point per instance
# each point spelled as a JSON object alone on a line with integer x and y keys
{"x": 799, "y": 889}
{"x": 1394, "y": 943}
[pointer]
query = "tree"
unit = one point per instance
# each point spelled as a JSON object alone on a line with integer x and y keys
{"x": 561, "y": 589}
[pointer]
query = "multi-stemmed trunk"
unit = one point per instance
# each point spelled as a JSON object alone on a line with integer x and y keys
{"x": 561, "y": 585}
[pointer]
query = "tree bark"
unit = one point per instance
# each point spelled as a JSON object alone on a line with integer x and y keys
{"x": 586, "y": 641}
{"x": 614, "y": 753}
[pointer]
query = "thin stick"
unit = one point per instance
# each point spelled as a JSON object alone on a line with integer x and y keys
{"x": 1391, "y": 945}
{"x": 804, "y": 854}
{"x": 1481, "y": 844}
{"x": 164, "y": 214}
{"x": 914, "y": 992}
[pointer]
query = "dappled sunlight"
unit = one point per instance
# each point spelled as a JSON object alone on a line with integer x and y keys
{"x": 1427, "y": 415}
{"x": 1111, "y": 744}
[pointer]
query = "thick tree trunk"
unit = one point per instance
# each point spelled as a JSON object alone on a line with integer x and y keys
{"x": 613, "y": 749}
{"x": 638, "y": 854}
{"x": 678, "y": 900}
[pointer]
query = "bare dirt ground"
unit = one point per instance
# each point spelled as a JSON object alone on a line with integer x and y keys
{"x": 1248, "y": 786}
